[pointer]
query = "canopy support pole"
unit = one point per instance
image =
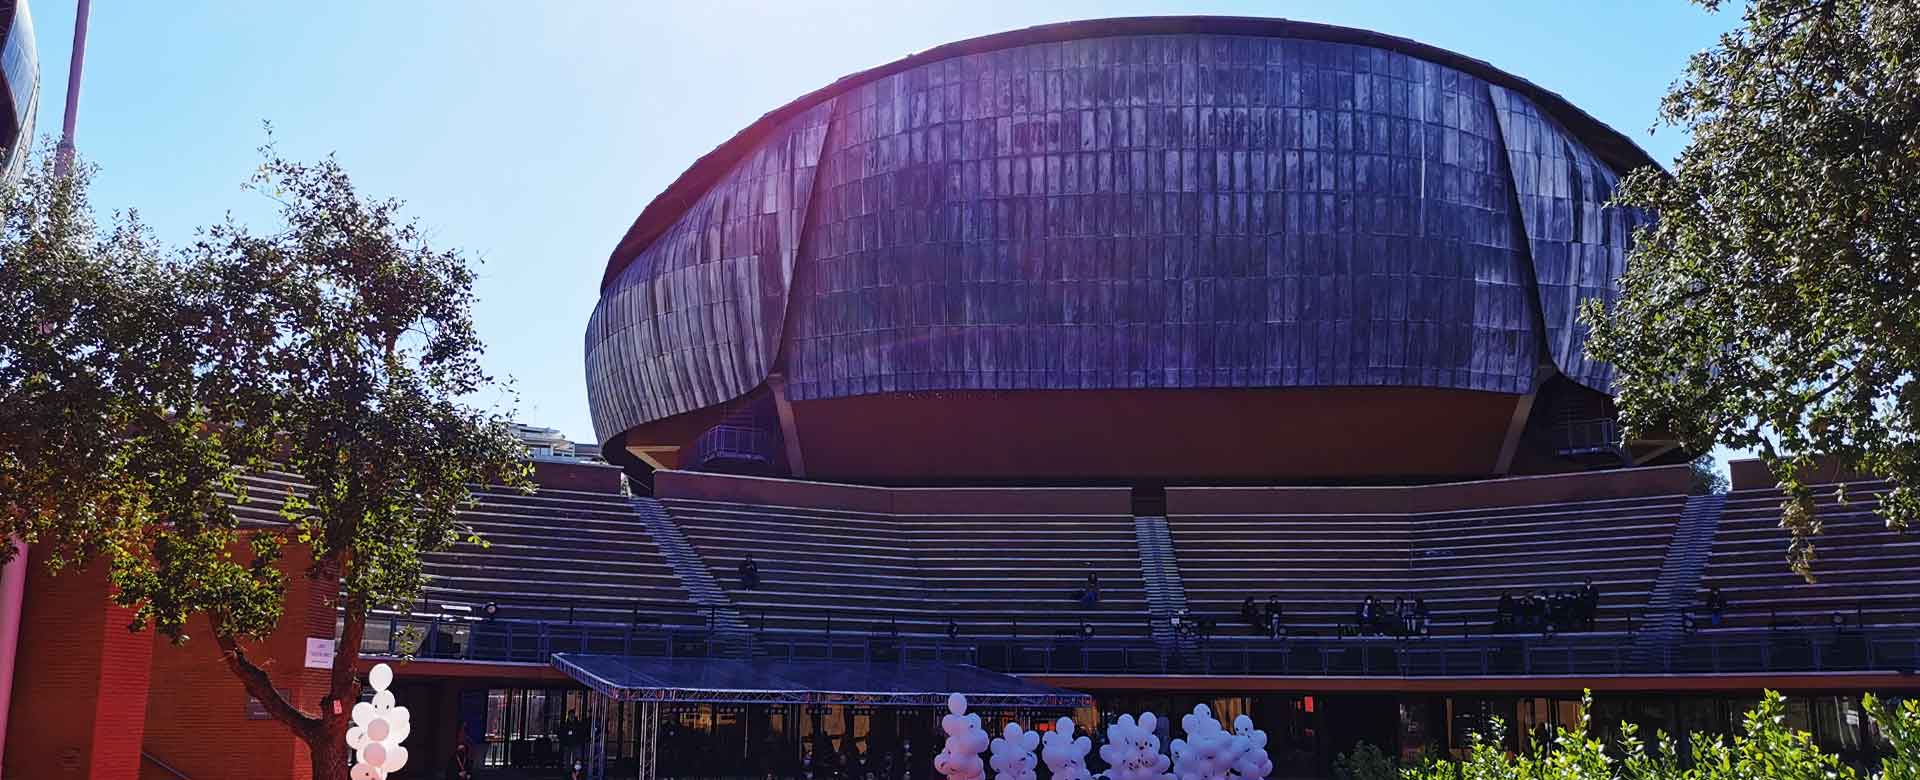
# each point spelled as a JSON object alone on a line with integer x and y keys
{"x": 646, "y": 726}
{"x": 599, "y": 711}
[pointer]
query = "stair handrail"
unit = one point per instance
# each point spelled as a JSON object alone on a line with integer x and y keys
{"x": 164, "y": 766}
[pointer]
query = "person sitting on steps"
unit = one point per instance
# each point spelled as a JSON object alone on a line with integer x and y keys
{"x": 1089, "y": 594}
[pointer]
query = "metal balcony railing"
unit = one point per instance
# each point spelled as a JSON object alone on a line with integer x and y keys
{"x": 1778, "y": 650}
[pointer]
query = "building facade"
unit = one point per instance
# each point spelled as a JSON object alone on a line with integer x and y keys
{"x": 1167, "y": 360}
{"x": 1063, "y": 253}
{"x": 20, "y": 68}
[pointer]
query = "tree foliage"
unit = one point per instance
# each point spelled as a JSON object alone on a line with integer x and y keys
{"x": 1365, "y": 762}
{"x": 138, "y": 385}
{"x": 1707, "y": 479}
{"x": 1775, "y": 305}
{"x": 1766, "y": 747}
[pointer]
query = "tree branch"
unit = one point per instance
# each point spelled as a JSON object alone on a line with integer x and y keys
{"x": 257, "y": 682}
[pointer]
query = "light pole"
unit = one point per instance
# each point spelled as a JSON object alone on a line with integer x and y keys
{"x": 63, "y": 155}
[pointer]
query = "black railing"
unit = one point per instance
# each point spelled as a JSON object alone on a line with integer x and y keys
{"x": 163, "y": 766}
{"x": 1586, "y": 436}
{"x": 1813, "y": 649}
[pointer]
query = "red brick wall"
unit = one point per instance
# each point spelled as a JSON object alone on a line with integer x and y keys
{"x": 80, "y": 683}
{"x": 194, "y": 694}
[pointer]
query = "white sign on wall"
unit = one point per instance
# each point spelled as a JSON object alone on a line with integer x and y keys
{"x": 319, "y": 653}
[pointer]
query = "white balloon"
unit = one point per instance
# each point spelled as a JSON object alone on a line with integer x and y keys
{"x": 365, "y": 771}
{"x": 380, "y": 677}
{"x": 374, "y": 754}
{"x": 362, "y": 713}
{"x": 396, "y": 758}
{"x": 383, "y": 700}
{"x": 397, "y": 730}
{"x": 377, "y": 730}
{"x": 356, "y": 737}
{"x": 957, "y": 704}
{"x": 398, "y": 715}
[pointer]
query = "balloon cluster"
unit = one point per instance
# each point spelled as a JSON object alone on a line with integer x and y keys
{"x": 1132, "y": 751}
{"x": 1253, "y": 763}
{"x": 1013, "y": 754}
{"x": 1209, "y": 751}
{"x": 378, "y": 728}
{"x": 960, "y": 759}
{"x": 1066, "y": 756}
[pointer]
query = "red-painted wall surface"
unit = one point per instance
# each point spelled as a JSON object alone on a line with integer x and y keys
{"x": 194, "y": 694}
{"x": 80, "y": 683}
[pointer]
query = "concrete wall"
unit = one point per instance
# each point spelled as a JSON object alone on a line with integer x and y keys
{"x": 1751, "y": 474}
{"x": 886, "y": 500}
{"x": 589, "y": 477}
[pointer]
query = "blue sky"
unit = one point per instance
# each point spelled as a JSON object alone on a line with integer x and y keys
{"x": 531, "y": 134}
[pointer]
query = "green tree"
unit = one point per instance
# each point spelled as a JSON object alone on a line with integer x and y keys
{"x": 1707, "y": 478}
{"x": 1775, "y": 305}
{"x": 1899, "y": 722}
{"x": 339, "y": 347}
{"x": 104, "y": 414}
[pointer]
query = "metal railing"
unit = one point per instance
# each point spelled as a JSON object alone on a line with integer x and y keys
{"x": 1849, "y": 649}
{"x": 163, "y": 766}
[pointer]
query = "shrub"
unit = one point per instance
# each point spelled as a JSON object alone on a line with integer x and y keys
{"x": 1366, "y": 762}
{"x": 1765, "y": 748}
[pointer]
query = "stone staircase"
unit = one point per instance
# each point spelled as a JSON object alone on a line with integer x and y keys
{"x": 1166, "y": 597}
{"x": 1677, "y": 587}
{"x": 729, "y": 629}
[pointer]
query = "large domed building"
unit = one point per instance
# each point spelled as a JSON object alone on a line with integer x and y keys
{"x": 1154, "y": 249}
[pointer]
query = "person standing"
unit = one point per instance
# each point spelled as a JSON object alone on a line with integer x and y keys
{"x": 749, "y": 573}
{"x": 461, "y": 767}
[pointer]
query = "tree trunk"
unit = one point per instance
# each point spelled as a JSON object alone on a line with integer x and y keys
{"x": 329, "y": 751}
{"x": 327, "y": 741}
